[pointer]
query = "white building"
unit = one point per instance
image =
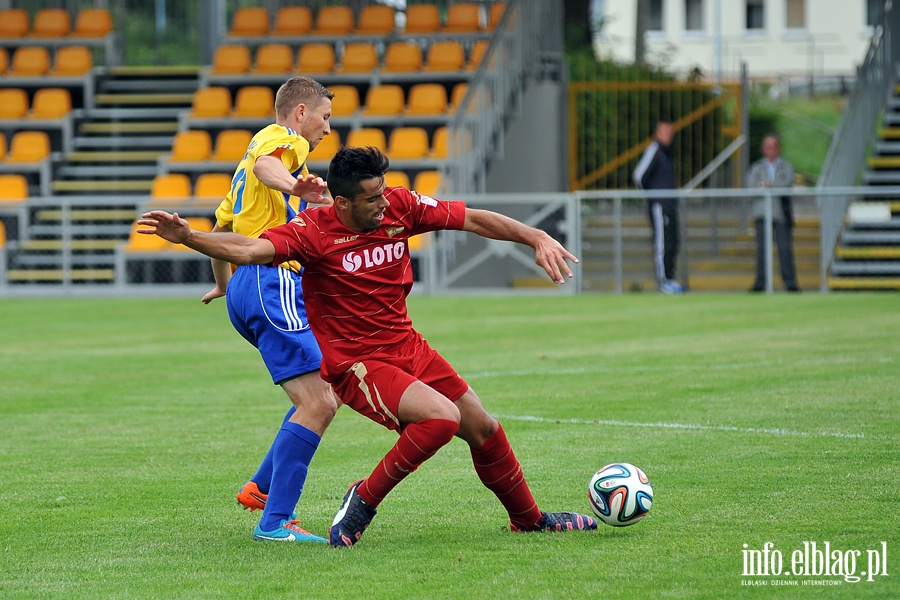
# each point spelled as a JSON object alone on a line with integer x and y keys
{"x": 774, "y": 37}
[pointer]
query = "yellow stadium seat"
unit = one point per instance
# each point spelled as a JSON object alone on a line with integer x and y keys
{"x": 367, "y": 136}
{"x": 458, "y": 93}
{"x": 446, "y": 55}
{"x": 334, "y": 20}
{"x": 13, "y": 103}
{"x": 441, "y": 142}
{"x": 51, "y": 103}
{"x": 419, "y": 242}
{"x": 274, "y": 58}
{"x": 359, "y": 57}
{"x": 29, "y": 147}
{"x": 2, "y": 234}
{"x": 408, "y": 143}
{"x": 396, "y": 179}
{"x": 30, "y": 61}
{"x": 495, "y": 14}
{"x": 293, "y": 20}
{"x": 345, "y": 101}
{"x": 2, "y": 146}
{"x": 480, "y": 100}
{"x": 477, "y": 53}
{"x": 250, "y": 20}
{"x": 427, "y": 99}
{"x": 402, "y": 57}
{"x": 254, "y": 101}
{"x": 212, "y": 187}
{"x": 4, "y": 60}
{"x": 141, "y": 242}
{"x": 315, "y": 58}
{"x": 385, "y": 99}
{"x": 13, "y": 188}
{"x": 376, "y": 19}
{"x": 422, "y": 18}
{"x": 171, "y": 186}
{"x": 211, "y": 103}
{"x": 231, "y": 145}
{"x": 191, "y": 146}
{"x": 463, "y": 17}
{"x": 93, "y": 23}
{"x": 428, "y": 183}
{"x": 51, "y": 23}
{"x": 72, "y": 61}
{"x": 231, "y": 59}
{"x": 13, "y": 23}
{"x": 196, "y": 223}
{"x": 330, "y": 144}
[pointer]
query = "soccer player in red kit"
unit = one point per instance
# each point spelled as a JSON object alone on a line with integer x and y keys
{"x": 357, "y": 275}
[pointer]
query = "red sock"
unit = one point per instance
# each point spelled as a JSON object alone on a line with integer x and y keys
{"x": 500, "y": 471}
{"x": 418, "y": 442}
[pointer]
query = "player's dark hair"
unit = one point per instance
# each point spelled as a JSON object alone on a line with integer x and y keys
{"x": 299, "y": 90}
{"x": 350, "y": 166}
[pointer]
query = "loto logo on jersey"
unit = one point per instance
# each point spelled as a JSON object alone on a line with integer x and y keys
{"x": 373, "y": 257}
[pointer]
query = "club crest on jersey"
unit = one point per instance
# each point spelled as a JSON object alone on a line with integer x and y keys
{"x": 392, "y": 231}
{"x": 373, "y": 257}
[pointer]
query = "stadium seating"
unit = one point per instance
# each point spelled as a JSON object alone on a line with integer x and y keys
{"x": 13, "y": 103}
{"x": 315, "y": 58}
{"x": 170, "y": 187}
{"x": 51, "y": 23}
{"x": 463, "y": 17}
{"x": 396, "y": 179}
{"x": 192, "y": 145}
{"x": 274, "y": 58}
{"x": 210, "y": 189}
{"x": 92, "y": 23}
{"x": 376, "y": 19}
{"x": 231, "y": 145}
{"x": 408, "y": 143}
{"x": 30, "y": 61}
{"x": 446, "y": 55}
{"x": 72, "y": 61}
{"x": 477, "y": 53}
{"x": 385, "y": 99}
{"x": 458, "y": 94}
{"x": 326, "y": 148}
{"x": 254, "y": 101}
{"x": 250, "y": 21}
{"x": 427, "y": 99}
{"x": 439, "y": 143}
{"x": 231, "y": 59}
{"x": 367, "y": 136}
{"x": 29, "y": 147}
{"x": 2, "y": 146}
{"x": 293, "y": 21}
{"x": 51, "y": 103}
{"x": 4, "y": 60}
{"x": 2, "y": 236}
{"x": 495, "y": 13}
{"x": 428, "y": 183}
{"x": 359, "y": 57}
{"x": 345, "y": 101}
{"x": 422, "y": 18}
{"x": 402, "y": 57}
{"x": 334, "y": 20}
{"x": 14, "y": 23}
{"x": 13, "y": 188}
{"x": 139, "y": 242}
{"x": 211, "y": 103}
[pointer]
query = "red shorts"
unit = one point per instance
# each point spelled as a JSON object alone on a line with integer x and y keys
{"x": 373, "y": 386}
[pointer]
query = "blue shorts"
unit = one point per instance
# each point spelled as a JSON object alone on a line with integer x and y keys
{"x": 266, "y": 306}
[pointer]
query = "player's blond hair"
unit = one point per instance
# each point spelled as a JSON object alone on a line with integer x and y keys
{"x": 299, "y": 90}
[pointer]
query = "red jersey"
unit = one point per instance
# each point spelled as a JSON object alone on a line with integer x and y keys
{"x": 355, "y": 284}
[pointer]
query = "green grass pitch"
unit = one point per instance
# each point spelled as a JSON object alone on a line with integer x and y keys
{"x": 129, "y": 424}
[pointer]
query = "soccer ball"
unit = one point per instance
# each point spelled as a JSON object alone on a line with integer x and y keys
{"x": 620, "y": 494}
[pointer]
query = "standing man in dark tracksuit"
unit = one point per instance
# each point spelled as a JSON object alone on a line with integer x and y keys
{"x": 656, "y": 171}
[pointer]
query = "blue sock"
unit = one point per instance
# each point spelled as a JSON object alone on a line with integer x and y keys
{"x": 263, "y": 476}
{"x": 293, "y": 450}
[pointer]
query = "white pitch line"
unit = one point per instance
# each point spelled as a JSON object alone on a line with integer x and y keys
{"x": 694, "y": 427}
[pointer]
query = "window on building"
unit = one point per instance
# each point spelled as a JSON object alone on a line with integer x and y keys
{"x": 874, "y": 9}
{"x": 693, "y": 15}
{"x": 796, "y": 14}
{"x": 655, "y": 22}
{"x": 755, "y": 15}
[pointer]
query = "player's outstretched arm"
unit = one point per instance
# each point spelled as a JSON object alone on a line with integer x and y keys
{"x": 221, "y": 273}
{"x": 548, "y": 253}
{"x": 231, "y": 247}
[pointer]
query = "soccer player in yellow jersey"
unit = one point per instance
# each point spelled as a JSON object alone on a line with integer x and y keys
{"x": 265, "y": 303}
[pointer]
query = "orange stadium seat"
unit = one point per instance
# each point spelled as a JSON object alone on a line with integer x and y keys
{"x": 441, "y": 142}
{"x": 359, "y": 57}
{"x": 385, "y": 99}
{"x": 29, "y": 147}
{"x": 13, "y": 23}
{"x": 459, "y": 92}
{"x": 345, "y": 101}
{"x": 231, "y": 145}
{"x": 402, "y": 57}
{"x": 376, "y": 19}
{"x": 396, "y": 179}
{"x": 422, "y": 18}
{"x": 427, "y": 99}
{"x": 330, "y": 144}
{"x": 293, "y": 20}
{"x": 139, "y": 242}
{"x": 2, "y": 233}
{"x": 408, "y": 143}
{"x": 495, "y": 14}
{"x": 72, "y": 61}
{"x": 191, "y": 146}
{"x": 13, "y": 188}
{"x": 274, "y": 58}
{"x": 250, "y": 20}
{"x": 478, "y": 50}
{"x": 428, "y": 183}
{"x": 30, "y": 61}
{"x": 446, "y": 55}
{"x": 463, "y": 17}
{"x": 212, "y": 188}
{"x": 367, "y": 136}
{"x": 254, "y": 101}
{"x": 51, "y": 23}
{"x": 2, "y": 146}
{"x": 171, "y": 186}
{"x": 211, "y": 103}
{"x": 231, "y": 59}
{"x": 13, "y": 103}
{"x": 334, "y": 20}
{"x": 51, "y": 103}
{"x": 4, "y": 60}
{"x": 93, "y": 23}
{"x": 315, "y": 58}
{"x": 197, "y": 224}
